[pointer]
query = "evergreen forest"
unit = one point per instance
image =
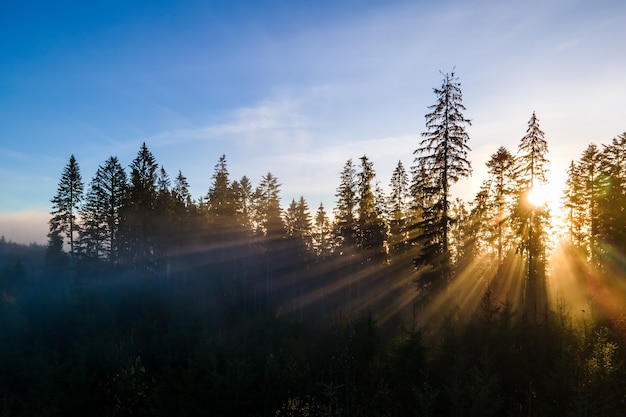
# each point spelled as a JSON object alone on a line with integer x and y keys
{"x": 401, "y": 300}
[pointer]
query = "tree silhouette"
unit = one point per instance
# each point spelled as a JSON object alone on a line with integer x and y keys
{"x": 267, "y": 207}
{"x": 531, "y": 220}
{"x": 442, "y": 158}
{"x": 138, "y": 215}
{"x": 66, "y": 205}
{"x": 398, "y": 207}
{"x": 501, "y": 190}
{"x": 345, "y": 224}
{"x": 612, "y": 203}
{"x": 100, "y": 212}
{"x": 371, "y": 229}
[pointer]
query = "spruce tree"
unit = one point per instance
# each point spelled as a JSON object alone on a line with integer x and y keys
{"x": 589, "y": 169}
{"x": 501, "y": 189}
{"x": 398, "y": 209}
{"x": 267, "y": 207}
{"x": 100, "y": 212}
{"x": 442, "y": 159}
{"x": 243, "y": 200}
{"x": 66, "y": 205}
{"x": 531, "y": 221}
{"x": 180, "y": 191}
{"x": 612, "y": 207}
{"x": 371, "y": 229}
{"x": 573, "y": 202}
{"x": 138, "y": 215}
{"x": 298, "y": 220}
{"x": 220, "y": 197}
{"x": 345, "y": 224}
{"x": 322, "y": 238}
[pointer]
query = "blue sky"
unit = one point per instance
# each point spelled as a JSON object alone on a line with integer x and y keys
{"x": 291, "y": 87}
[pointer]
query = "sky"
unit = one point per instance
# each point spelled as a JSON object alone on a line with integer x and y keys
{"x": 292, "y": 87}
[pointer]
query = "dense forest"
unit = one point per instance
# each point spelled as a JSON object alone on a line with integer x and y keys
{"x": 150, "y": 301}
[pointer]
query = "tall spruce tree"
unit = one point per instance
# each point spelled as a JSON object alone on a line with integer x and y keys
{"x": 573, "y": 203}
{"x": 243, "y": 200}
{"x": 180, "y": 191}
{"x": 101, "y": 211}
{"x": 138, "y": 215}
{"x": 532, "y": 220}
{"x": 612, "y": 208}
{"x": 345, "y": 224}
{"x": 267, "y": 207}
{"x": 501, "y": 167}
{"x": 221, "y": 198}
{"x": 398, "y": 210}
{"x": 66, "y": 206}
{"x": 589, "y": 167}
{"x": 321, "y": 235}
{"x": 442, "y": 158}
{"x": 298, "y": 220}
{"x": 371, "y": 230}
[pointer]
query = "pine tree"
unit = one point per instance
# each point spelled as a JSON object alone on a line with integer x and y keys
{"x": 267, "y": 207}
{"x": 612, "y": 207}
{"x": 371, "y": 230}
{"x": 221, "y": 198}
{"x": 298, "y": 220}
{"x": 101, "y": 211}
{"x": 138, "y": 215}
{"x": 531, "y": 220}
{"x": 66, "y": 205}
{"x": 589, "y": 169}
{"x": 573, "y": 202}
{"x": 398, "y": 207}
{"x": 345, "y": 224}
{"x": 501, "y": 189}
{"x": 442, "y": 160}
{"x": 180, "y": 191}
{"x": 243, "y": 200}
{"x": 322, "y": 238}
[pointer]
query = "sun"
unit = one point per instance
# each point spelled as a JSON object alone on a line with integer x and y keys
{"x": 539, "y": 195}
{"x": 547, "y": 196}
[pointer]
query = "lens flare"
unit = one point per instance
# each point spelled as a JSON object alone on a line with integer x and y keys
{"x": 538, "y": 195}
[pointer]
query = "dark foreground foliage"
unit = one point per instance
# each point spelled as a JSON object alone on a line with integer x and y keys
{"x": 130, "y": 344}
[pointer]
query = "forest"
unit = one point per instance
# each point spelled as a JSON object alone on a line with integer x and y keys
{"x": 148, "y": 301}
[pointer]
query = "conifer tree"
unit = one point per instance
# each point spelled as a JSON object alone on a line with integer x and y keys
{"x": 221, "y": 198}
{"x": 66, "y": 205}
{"x": 502, "y": 182}
{"x": 243, "y": 200}
{"x": 322, "y": 239}
{"x": 531, "y": 220}
{"x": 612, "y": 208}
{"x": 101, "y": 211}
{"x": 345, "y": 224}
{"x": 267, "y": 207}
{"x": 180, "y": 191}
{"x": 398, "y": 207}
{"x": 573, "y": 202}
{"x": 138, "y": 214}
{"x": 298, "y": 220}
{"x": 442, "y": 158}
{"x": 371, "y": 230}
{"x": 589, "y": 169}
